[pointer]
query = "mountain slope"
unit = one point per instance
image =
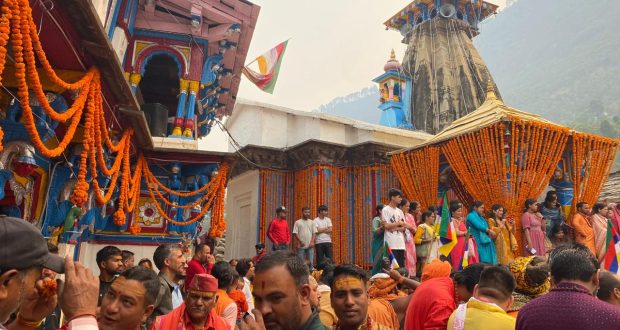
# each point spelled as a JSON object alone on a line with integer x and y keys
{"x": 360, "y": 105}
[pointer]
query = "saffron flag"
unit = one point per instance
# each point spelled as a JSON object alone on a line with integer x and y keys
{"x": 387, "y": 253}
{"x": 268, "y": 68}
{"x": 611, "y": 262}
{"x": 447, "y": 233}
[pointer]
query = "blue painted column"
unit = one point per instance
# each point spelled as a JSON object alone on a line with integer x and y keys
{"x": 189, "y": 119}
{"x": 180, "y": 118}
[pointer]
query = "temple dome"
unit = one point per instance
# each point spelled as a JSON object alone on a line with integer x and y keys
{"x": 392, "y": 64}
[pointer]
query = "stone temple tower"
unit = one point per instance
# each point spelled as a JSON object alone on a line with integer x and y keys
{"x": 449, "y": 77}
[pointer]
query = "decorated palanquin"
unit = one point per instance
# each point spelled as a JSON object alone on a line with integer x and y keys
{"x": 498, "y": 154}
{"x": 79, "y": 156}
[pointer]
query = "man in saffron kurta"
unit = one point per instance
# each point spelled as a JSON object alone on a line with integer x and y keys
{"x": 479, "y": 228}
{"x": 197, "y": 312}
{"x": 431, "y": 305}
{"x": 584, "y": 232}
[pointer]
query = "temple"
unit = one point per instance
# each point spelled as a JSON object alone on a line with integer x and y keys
{"x": 394, "y": 88}
{"x": 100, "y": 143}
{"x": 448, "y": 76}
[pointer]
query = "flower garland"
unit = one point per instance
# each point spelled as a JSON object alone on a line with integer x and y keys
{"x": 418, "y": 173}
{"x": 592, "y": 158}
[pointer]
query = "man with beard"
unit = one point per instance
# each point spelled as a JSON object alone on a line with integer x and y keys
{"x": 129, "y": 300}
{"x": 197, "y": 312}
{"x": 282, "y": 295}
{"x": 110, "y": 263}
{"x": 201, "y": 263}
{"x": 23, "y": 256}
{"x": 350, "y": 299}
{"x": 172, "y": 265}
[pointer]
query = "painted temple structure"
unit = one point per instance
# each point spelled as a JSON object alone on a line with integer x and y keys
{"x": 150, "y": 77}
{"x": 298, "y": 158}
{"x": 446, "y": 77}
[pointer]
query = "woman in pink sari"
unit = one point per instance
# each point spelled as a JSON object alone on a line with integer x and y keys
{"x": 410, "y": 229}
{"x": 615, "y": 216}
{"x": 600, "y": 214}
{"x": 456, "y": 212}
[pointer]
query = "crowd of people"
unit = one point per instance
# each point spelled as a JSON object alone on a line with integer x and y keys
{"x": 413, "y": 284}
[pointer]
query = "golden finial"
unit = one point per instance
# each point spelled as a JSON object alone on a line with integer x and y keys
{"x": 393, "y": 55}
{"x": 491, "y": 90}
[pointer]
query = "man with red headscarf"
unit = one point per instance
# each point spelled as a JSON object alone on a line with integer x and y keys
{"x": 197, "y": 311}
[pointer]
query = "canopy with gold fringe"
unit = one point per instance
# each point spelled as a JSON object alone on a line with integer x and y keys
{"x": 501, "y": 155}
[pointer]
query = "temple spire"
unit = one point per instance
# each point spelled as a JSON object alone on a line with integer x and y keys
{"x": 490, "y": 90}
{"x": 393, "y": 55}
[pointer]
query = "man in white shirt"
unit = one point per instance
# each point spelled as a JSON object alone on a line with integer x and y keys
{"x": 324, "y": 235}
{"x": 394, "y": 224}
{"x": 305, "y": 231}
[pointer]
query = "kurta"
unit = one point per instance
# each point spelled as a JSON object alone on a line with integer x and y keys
{"x": 568, "y": 306}
{"x": 431, "y": 305}
{"x": 410, "y": 253}
{"x": 226, "y": 308}
{"x": 534, "y": 224}
{"x": 178, "y": 320}
{"x": 477, "y": 228}
{"x": 584, "y": 233}
{"x": 456, "y": 255}
{"x": 599, "y": 225}
{"x": 482, "y": 315}
{"x": 503, "y": 242}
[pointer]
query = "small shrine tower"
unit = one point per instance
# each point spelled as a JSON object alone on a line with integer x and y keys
{"x": 394, "y": 89}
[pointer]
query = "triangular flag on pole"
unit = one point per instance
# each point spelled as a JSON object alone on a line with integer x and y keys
{"x": 268, "y": 67}
{"x": 611, "y": 262}
{"x": 387, "y": 253}
{"x": 447, "y": 233}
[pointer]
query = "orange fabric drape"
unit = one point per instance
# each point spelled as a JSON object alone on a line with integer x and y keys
{"x": 592, "y": 159}
{"x": 418, "y": 173}
{"x": 507, "y": 163}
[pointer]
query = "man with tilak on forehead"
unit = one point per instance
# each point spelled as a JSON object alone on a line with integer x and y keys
{"x": 350, "y": 299}
{"x": 196, "y": 312}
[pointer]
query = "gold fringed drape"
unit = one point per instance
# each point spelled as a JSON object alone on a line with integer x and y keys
{"x": 507, "y": 163}
{"x": 418, "y": 173}
{"x": 592, "y": 158}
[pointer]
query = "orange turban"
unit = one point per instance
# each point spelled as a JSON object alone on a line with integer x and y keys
{"x": 436, "y": 269}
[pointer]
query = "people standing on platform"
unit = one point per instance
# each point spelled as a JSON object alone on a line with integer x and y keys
{"x": 533, "y": 229}
{"x": 458, "y": 221}
{"x": 130, "y": 300}
{"x": 551, "y": 209}
{"x": 172, "y": 265}
{"x": 505, "y": 241}
{"x": 110, "y": 262}
{"x": 394, "y": 225}
{"x": 600, "y": 217}
{"x": 278, "y": 231}
{"x": 424, "y": 237}
{"x": 225, "y": 306}
{"x": 245, "y": 268}
{"x": 416, "y": 211}
{"x": 282, "y": 295}
{"x": 201, "y": 263}
{"x": 487, "y": 308}
{"x": 128, "y": 259}
{"x": 305, "y": 231}
{"x": 377, "y": 240}
{"x": 410, "y": 229}
{"x": 571, "y": 303}
{"x": 260, "y": 253}
{"x": 582, "y": 226}
{"x": 609, "y": 288}
{"x": 198, "y": 309}
{"x": 479, "y": 229}
{"x": 324, "y": 245}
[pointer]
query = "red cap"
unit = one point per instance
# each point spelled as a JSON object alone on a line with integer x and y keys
{"x": 203, "y": 283}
